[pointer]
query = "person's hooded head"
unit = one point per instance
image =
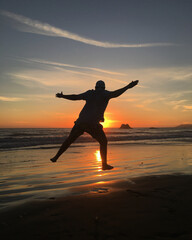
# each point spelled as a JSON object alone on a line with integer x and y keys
{"x": 100, "y": 85}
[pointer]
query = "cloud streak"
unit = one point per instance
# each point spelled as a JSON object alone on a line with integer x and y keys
{"x": 78, "y": 70}
{"x": 10, "y": 99}
{"x": 188, "y": 107}
{"x": 74, "y": 66}
{"x": 37, "y": 27}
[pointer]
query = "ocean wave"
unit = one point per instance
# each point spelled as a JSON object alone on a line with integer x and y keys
{"x": 41, "y": 137}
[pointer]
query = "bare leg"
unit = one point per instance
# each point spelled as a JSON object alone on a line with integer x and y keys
{"x": 101, "y": 138}
{"x": 103, "y": 152}
{"x": 75, "y": 133}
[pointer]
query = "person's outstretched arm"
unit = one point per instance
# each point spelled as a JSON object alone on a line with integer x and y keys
{"x": 71, "y": 96}
{"x": 118, "y": 92}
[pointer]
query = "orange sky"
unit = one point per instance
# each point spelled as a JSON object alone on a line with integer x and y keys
{"x": 62, "y": 113}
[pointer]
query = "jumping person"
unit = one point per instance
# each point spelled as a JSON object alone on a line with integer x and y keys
{"x": 91, "y": 116}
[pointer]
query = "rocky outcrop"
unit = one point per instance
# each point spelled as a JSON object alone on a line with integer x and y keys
{"x": 125, "y": 126}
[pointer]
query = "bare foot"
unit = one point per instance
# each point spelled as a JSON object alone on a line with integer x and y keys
{"x": 107, "y": 167}
{"x": 54, "y": 159}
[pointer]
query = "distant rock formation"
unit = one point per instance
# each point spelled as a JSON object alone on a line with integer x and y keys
{"x": 184, "y": 126}
{"x": 125, "y": 126}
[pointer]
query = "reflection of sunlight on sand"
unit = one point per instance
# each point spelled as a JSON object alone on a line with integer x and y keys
{"x": 98, "y": 161}
{"x": 101, "y": 182}
{"x": 98, "y": 156}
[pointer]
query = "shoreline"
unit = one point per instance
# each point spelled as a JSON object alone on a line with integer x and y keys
{"x": 148, "y": 207}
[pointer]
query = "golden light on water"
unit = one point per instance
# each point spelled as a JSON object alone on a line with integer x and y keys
{"x": 98, "y": 156}
{"x": 98, "y": 160}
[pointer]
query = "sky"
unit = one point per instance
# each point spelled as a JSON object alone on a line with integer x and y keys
{"x": 67, "y": 45}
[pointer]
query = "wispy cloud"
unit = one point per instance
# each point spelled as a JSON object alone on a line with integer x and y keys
{"x": 10, "y": 99}
{"x": 57, "y": 77}
{"x": 188, "y": 107}
{"x": 167, "y": 76}
{"x": 28, "y": 79}
{"x": 73, "y": 66}
{"x": 62, "y": 72}
{"x": 37, "y": 27}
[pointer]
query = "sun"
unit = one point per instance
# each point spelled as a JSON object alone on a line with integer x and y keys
{"x": 107, "y": 123}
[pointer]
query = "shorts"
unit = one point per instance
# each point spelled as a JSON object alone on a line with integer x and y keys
{"x": 95, "y": 130}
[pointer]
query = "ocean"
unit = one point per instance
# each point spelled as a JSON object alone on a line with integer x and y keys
{"x": 26, "y": 172}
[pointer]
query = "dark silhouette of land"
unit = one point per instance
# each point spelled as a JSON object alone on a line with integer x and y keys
{"x": 125, "y": 126}
{"x": 184, "y": 126}
{"x": 90, "y": 117}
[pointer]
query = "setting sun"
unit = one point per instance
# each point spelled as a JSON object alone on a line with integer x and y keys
{"x": 107, "y": 123}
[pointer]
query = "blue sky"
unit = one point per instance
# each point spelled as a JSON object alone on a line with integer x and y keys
{"x": 49, "y": 46}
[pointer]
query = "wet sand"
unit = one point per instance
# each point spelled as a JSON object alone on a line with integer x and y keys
{"x": 151, "y": 208}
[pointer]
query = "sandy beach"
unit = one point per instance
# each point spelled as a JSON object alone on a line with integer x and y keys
{"x": 151, "y": 207}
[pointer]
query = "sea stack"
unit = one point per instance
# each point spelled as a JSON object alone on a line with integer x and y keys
{"x": 125, "y": 126}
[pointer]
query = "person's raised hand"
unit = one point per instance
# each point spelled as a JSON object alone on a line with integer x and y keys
{"x": 59, "y": 95}
{"x": 133, "y": 83}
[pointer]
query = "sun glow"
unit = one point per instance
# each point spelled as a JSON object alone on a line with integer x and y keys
{"x": 107, "y": 123}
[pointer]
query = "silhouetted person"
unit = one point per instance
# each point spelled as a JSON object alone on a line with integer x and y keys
{"x": 91, "y": 116}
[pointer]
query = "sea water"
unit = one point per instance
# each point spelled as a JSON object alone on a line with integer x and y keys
{"x": 26, "y": 171}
